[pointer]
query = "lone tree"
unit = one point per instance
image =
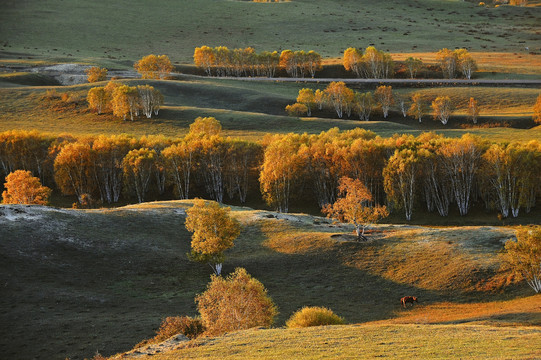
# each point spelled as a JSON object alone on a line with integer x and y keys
{"x": 384, "y": 95}
{"x": 23, "y": 188}
{"x": 214, "y": 231}
{"x": 443, "y": 107}
{"x": 235, "y": 303}
{"x": 354, "y": 206}
{"x": 95, "y": 74}
{"x": 473, "y": 110}
{"x": 418, "y": 106}
{"x": 537, "y": 110}
{"x": 524, "y": 255}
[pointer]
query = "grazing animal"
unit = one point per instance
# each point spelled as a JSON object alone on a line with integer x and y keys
{"x": 408, "y": 299}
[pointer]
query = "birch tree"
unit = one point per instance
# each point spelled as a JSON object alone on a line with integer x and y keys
{"x": 138, "y": 167}
{"x": 384, "y": 96}
{"x": 443, "y": 107}
{"x": 150, "y": 99}
{"x": 179, "y": 163}
{"x": 400, "y": 179}
{"x": 213, "y": 232}
{"x": 340, "y": 97}
{"x": 364, "y": 102}
{"x": 448, "y": 62}
{"x": 413, "y": 65}
{"x": 461, "y": 160}
{"x": 355, "y": 206}
{"x": 306, "y": 97}
{"x": 97, "y": 99}
{"x": 23, "y": 188}
{"x": 473, "y": 110}
{"x": 418, "y": 107}
{"x": 352, "y": 60}
{"x": 524, "y": 255}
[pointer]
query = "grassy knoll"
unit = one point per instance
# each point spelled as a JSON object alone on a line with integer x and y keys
{"x": 81, "y": 30}
{"x": 252, "y": 109}
{"x": 77, "y": 281}
{"x": 367, "y": 342}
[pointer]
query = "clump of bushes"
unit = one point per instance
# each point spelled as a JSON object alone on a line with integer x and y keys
{"x": 313, "y": 316}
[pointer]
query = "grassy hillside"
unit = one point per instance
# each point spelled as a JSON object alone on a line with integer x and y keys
{"x": 368, "y": 342}
{"x": 252, "y": 109}
{"x": 77, "y": 281}
{"x": 84, "y": 30}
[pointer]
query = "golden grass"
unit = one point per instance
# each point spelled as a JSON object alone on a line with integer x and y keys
{"x": 523, "y": 311}
{"x": 367, "y": 342}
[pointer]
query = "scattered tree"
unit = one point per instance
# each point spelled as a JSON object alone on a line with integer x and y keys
{"x": 524, "y": 255}
{"x": 384, "y": 95}
{"x": 418, "y": 106}
{"x": 364, "y": 102}
{"x": 150, "y": 100}
{"x": 465, "y": 62}
{"x": 355, "y": 206}
{"x": 214, "y": 231}
{"x": 400, "y": 176}
{"x": 537, "y": 110}
{"x": 307, "y": 98}
{"x": 448, "y": 62}
{"x": 95, "y": 74}
{"x": 154, "y": 67}
{"x": 97, "y": 99}
{"x": 443, "y": 107}
{"x": 473, "y": 110}
{"x": 413, "y": 65}
{"x": 235, "y": 303}
{"x": 23, "y": 188}
{"x": 296, "y": 109}
{"x": 352, "y": 60}
{"x": 340, "y": 97}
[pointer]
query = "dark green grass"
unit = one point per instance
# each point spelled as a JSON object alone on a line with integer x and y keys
{"x": 100, "y": 29}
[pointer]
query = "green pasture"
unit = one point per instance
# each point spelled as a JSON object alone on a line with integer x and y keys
{"x": 103, "y": 31}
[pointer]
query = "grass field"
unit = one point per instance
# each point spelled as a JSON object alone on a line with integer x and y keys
{"x": 77, "y": 281}
{"x": 91, "y": 31}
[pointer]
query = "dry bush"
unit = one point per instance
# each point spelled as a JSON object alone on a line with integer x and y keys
{"x": 313, "y": 316}
{"x": 235, "y": 303}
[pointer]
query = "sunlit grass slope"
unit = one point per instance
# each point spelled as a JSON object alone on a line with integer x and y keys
{"x": 91, "y": 29}
{"x": 368, "y": 342}
{"x": 77, "y": 281}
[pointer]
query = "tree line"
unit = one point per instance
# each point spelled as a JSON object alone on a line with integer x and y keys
{"x": 405, "y": 173}
{"x": 221, "y": 61}
{"x": 345, "y": 101}
{"x": 370, "y": 63}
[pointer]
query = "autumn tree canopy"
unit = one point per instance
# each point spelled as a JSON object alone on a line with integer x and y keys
{"x": 355, "y": 205}
{"x": 23, "y": 188}
{"x": 524, "y": 255}
{"x": 154, "y": 67}
{"x": 95, "y": 74}
{"x": 214, "y": 231}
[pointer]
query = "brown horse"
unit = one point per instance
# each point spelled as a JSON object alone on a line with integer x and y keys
{"x": 408, "y": 299}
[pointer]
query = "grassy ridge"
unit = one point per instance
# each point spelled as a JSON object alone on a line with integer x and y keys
{"x": 79, "y": 29}
{"x": 104, "y": 279}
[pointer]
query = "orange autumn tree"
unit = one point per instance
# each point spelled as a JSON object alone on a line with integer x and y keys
{"x": 95, "y": 74}
{"x": 154, "y": 67}
{"x": 214, "y": 231}
{"x": 524, "y": 255}
{"x": 537, "y": 110}
{"x": 354, "y": 206}
{"x": 23, "y": 188}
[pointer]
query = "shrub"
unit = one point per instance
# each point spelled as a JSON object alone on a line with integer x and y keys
{"x": 235, "y": 303}
{"x": 191, "y": 327}
{"x": 296, "y": 109}
{"x": 313, "y": 316}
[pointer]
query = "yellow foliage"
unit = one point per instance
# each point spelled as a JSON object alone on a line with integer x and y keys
{"x": 314, "y": 316}
{"x": 214, "y": 230}
{"x": 154, "y": 67}
{"x": 95, "y": 74}
{"x": 235, "y": 303}
{"x": 23, "y": 188}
